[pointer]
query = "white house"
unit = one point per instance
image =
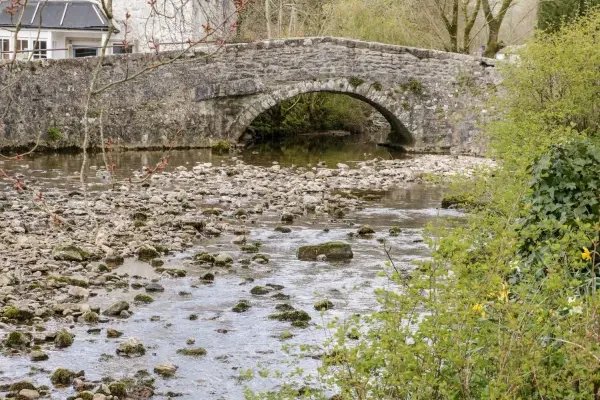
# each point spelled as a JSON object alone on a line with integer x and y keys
{"x": 78, "y": 28}
{"x": 55, "y": 29}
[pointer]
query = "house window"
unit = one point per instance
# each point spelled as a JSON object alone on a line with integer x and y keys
{"x": 4, "y": 49}
{"x": 40, "y": 47}
{"x": 120, "y": 49}
{"x": 22, "y": 45}
{"x": 85, "y": 52}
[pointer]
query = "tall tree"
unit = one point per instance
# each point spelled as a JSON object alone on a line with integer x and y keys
{"x": 494, "y": 22}
{"x": 552, "y": 14}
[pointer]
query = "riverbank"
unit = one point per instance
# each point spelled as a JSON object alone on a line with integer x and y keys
{"x": 172, "y": 212}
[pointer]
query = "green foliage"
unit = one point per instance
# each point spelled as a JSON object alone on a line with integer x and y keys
{"x": 355, "y": 81}
{"x": 413, "y": 86}
{"x": 54, "y": 134}
{"x": 221, "y": 147}
{"x": 563, "y": 199}
{"x": 314, "y": 112}
{"x": 553, "y": 14}
{"x": 550, "y": 94}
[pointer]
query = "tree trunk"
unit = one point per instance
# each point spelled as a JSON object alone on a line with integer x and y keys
{"x": 494, "y": 22}
{"x": 268, "y": 17}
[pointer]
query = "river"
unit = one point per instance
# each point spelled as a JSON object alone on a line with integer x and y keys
{"x": 235, "y": 342}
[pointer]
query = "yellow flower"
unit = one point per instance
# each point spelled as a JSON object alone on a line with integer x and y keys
{"x": 503, "y": 295}
{"x": 586, "y": 255}
{"x": 478, "y": 308}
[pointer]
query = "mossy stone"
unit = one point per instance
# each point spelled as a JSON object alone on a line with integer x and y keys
{"x": 20, "y": 315}
{"x": 259, "y": 290}
{"x": 143, "y": 299}
{"x": 118, "y": 389}
{"x": 17, "y": 340}
{"x": 334, "y": 251}
{"x": 323, "y": 305}
{"x": 62, "y": 377}
{"x": 241, "y": 306}
{"x": 18, "y": 386}
{"x": 283, "y": 229}
{"x": 192, "y": 352}
{"x": 291, "y": 316}
{"x": 63, "y": 339}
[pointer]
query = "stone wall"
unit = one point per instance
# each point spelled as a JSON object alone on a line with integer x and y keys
{"x": 433, "y": 100}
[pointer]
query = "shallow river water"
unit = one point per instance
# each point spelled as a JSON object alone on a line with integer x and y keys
{"x": 236, "y": 342}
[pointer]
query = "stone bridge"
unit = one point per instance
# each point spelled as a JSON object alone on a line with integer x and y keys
{"x": 433, "y": 100}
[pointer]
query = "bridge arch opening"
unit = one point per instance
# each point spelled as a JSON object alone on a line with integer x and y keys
{"x": 361, "y": 110}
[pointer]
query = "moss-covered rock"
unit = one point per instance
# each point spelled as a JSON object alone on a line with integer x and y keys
{"x": 334, "y": 251}
{"x": 251, "y": 248}
{"x": 192, "y": 352}
{"x": 207, "y": 278}
{"x": 260, "y": 258}
{"x": 63, "y": 339}
{"x": 17, "y": 314}
{"x": 38, "y": 355}
{"x": 323, "y": 305}
{"x": 241, "y": 306}
{"x": 221, "y": 147}
{"x": 284, "y": 307}
{"x": 86, "y": 395}
{"x": 70, "y": 252}
{"x": 143, "y": 299}
{"x": 165, "y": 370}
{"x": 90, "y": 317}
{"x": 16, "y": 340}
{"x": 147, "y": 253}
{"x": 462, "y": 200}
{"x": 157, "y": 263}
{"x": 283, "y": 229}
{"x": 291, "y": 316}
{"x": 118, "y": 389}
{"x": 259, "y": 290}
{"x": 395, "y": 231}
{"x": 204, "y": 257}
{"x": 365, "y": 230}
{"x": 18, "y": 386}
{"x": 62, "y": 377}
{"x": 223, "y": 260}
{"x": 281, "y": 296}
{"x": 132, "y": 347}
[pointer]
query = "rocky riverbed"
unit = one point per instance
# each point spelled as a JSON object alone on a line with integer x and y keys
{"x": 125, "y": 287}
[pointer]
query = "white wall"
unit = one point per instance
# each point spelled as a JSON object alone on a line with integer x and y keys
{"x": 184, "y": 22}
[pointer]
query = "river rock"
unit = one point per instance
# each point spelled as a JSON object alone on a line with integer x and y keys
{"x": 154, "y": 287}
{"x": 365, "y": 230}
{"x": 116, "y": 308}
{"x": 165, "y": 370}
{"x": 29, "y": 394}
{"x": 223, "y": 259}
{"x": 69, "y": 253}
{"x": 334, "y": 251}
{"x": 131, "y": 347}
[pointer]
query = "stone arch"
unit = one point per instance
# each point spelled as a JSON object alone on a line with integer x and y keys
{"x": 371, "y": 93}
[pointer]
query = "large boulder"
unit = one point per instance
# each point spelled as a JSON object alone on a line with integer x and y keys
{"x": 334, "y": 251}
{"x": 69, "y": 253}
{"x": 116, "y": 308}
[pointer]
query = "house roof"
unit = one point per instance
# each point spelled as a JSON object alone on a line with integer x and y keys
{"x": 73, "y": 15}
